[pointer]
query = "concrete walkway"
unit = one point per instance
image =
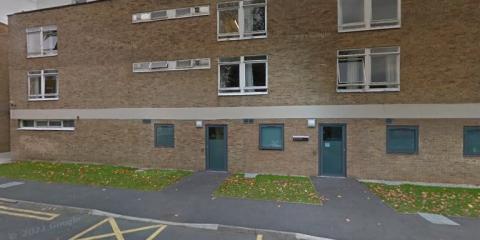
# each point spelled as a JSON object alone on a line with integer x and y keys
{"x": 351, "y": 212}
{"x": 5, "y": 158}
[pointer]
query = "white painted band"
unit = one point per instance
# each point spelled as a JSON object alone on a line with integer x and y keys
{"x": 372, "y": 111}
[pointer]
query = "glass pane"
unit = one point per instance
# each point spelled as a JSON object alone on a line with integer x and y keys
{"x": 352, "y": 12}
{"x": 332, "y": 134}
{"x": 254, "y": 19}
{"x": 33, "y": 43}
{"x": 55, "y": 123}
{"x": 472, "y": 141}
{"x": 384, "y": 69}
{"x": 402, "y": 140}
{"x": 28, "y": 123}
{"x": 69, "y": 123}
{"x": 384, "y": 10}
{"x": 50, "y": 85}
{"x": 42, "y": 123}
{"x": 216, "y": 133}
{"x": 229, "y": 21}
{"x": 165, "y": 136}
{"x": 229, "y": 76}
{"x": 35, "y": 86}
{"x": 271, "y": 137}
{"x": 49, "y": 41}
{"x": 255, "y": 76}
{"x": 351, "y": 70}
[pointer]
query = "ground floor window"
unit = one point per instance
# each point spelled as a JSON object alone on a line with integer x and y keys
{"x": 402, "y": 139}
{"x": 164, "y": 136}
{"x": 271, "y": 137}
{"x": 471, "y": 142}
{"x": 60, "y": 125}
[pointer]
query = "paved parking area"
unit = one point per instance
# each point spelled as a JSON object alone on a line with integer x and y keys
{"x": 21, "y": 221}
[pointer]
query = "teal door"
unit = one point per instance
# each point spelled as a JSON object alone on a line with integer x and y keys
{"x": 332, "y": 150}
{"x": 216, "y": 148}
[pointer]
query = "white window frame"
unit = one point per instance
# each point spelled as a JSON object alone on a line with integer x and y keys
{"x": 47, "y": 128}
{"x": 242, "y": 81}
{"x": 41, "y": 30}
{"x": 367, "y": 69}
{"x": 171, "y": 14}
{"x": 241, "y": 17}
{"x": 171, "y": 66}
{"x": 43, "y": 96}
{"x": 367, "y": 13}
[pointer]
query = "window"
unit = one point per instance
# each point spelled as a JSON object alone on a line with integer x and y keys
{"x": 42, "y": 41}
{"x": 271, "y": 137}
{"x": 164, "y": 136}
{"x": 242, "y": 20}
{"x": 52, "y": 125}
{"x": 243, "y": 75}
{"x": 188, "y": 64}
{"x": 402, "y": 139}
{"x": 43, "y": 85}
{"x": 369, "y": 70}
{"x": 471, "y": 141}
{"x": 171, "y": 14}
{"x": 358, "y": 15}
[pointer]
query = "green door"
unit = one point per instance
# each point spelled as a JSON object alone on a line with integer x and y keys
{"x": 216, "y": 148}
{"x": 332, "y": 150}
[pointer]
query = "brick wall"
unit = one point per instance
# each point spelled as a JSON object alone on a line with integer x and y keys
{"x": 4, "y": 99}
{"x": 440, "y": 157}
{"x": 98, "y": 44}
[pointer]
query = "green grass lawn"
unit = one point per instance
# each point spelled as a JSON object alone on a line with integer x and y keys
{"x": 267, "y": 187}
{"x": 440, "y": 200}
{"x": 97, "y": 175}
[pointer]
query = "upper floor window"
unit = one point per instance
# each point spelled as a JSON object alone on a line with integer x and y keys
{"x": 358, "y": 15}
{"x": 243, "y": 75}
{"x": 369, "y": 70}
{"x": 42, "y": 41}
{"x": 242, "y": 20}
{"x": 171, "y": 14}
{"x": 43, "y": 85}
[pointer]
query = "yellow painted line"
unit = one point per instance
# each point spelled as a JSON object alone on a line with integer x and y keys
{"x": 89, "y": 229}
{"x": 116, "y": 230}
{"x": 18, "y": 212}
{"x": 156, "y": 233}
{"x": 117, "y": 233}
{"x": 259, "y": 237}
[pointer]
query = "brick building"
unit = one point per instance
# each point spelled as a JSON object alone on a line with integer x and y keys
{"x": 4, "y": 99}
{"x": 367, "y": 89}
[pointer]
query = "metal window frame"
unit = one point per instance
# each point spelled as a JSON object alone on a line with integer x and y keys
{"x": 172, "y": 66}
{"x": 43, "y": 96}
{"x": 162, "y": 125}
{"x": 41, "y": 30}
{"x": 260, "y": 136}
{"x": 241, "y": 18}
{"x": 367, "y": 15}
{"x": 47, "y": 127}
{"x": 367, "y": 70}
{"x": 242, "y": 81}
{"x": 415, "y": 128}
{"x": 171, "y": 14}
{"x": 465, "y": 152}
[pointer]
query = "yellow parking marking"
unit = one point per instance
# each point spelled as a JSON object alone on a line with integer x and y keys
{"x": 25, "y": 213}
{"x": 116, "y": 232}
{"x": 259, "y": 237}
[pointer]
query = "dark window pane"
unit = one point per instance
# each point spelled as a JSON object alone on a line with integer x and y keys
{"x": 164, "y": 136}
{"x": 28, "y": 123}
{"x": 271, "y": 137}
{"x": 333, "y": 134}
{"x": 472, "y": 141}
{"x": 228, "y": 21}
{"x": 384, "y": 10}
{"x": 402, "y": 140}
{"x": 230, "y": 76}
{"x": 69, "y": 123}
{"x": 352, "y": 11}
{"x": 216, "y": 133}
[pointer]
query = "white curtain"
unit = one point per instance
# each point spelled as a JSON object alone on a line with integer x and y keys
{"x": 391, "y": 69}
{"x": 249, "y": 75}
